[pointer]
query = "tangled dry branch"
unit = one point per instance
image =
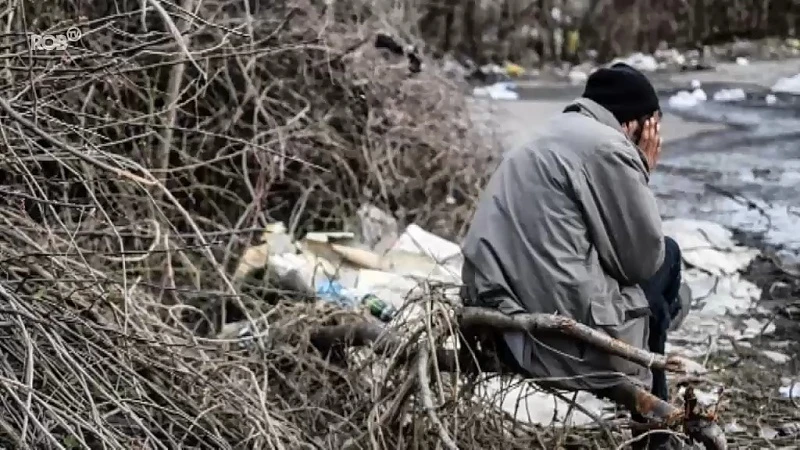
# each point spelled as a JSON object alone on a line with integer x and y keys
{"x": 135, "y": 166}
{"x": 138, "y": 162}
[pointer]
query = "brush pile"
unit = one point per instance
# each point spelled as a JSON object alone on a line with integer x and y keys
{"x": 143, "y": 147}
{"x": 138, "y": 161}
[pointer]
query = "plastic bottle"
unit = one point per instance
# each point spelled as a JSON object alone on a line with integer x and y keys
{"x": 333, "y": 292}
{"x": 379, "y": 308}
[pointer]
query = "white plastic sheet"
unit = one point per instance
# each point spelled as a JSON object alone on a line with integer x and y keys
{"x": 497, "y": 91}
{"x": 788, "y": 85}
{"x": 687, "y": 100}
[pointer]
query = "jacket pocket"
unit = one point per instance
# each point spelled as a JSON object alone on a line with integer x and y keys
{"x": 604, "y": 313}
{"x": 613, "y": 312}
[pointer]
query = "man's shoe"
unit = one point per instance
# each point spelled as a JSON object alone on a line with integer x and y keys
{"x": 685, "y": 300}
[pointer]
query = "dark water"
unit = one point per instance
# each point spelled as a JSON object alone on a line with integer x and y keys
{"x": 745, "y": 177}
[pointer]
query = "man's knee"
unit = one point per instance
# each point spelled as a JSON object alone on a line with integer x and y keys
{"x": 672, "y": 262}
{"x": 672, "y": 255}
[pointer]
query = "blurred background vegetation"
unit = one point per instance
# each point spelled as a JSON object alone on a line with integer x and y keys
{"x": 544, "y": 31}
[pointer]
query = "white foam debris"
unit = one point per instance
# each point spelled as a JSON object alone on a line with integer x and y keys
{"x": 729, "y": 95}
{"x": 687, "y": 100}
{"x": 788, "y": 85}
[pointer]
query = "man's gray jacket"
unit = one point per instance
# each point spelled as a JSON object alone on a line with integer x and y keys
{"x": 568, "y": 225}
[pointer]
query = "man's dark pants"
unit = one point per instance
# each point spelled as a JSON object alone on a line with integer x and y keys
{"x": 661, "y": 291}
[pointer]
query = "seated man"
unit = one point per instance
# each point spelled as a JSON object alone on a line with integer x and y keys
{"x": 568, "y": 225}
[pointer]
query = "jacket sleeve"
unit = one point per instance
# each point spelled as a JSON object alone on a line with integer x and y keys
{"x": 621, "y": 213}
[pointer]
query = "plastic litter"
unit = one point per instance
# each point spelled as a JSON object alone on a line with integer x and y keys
{"x": 791, "y": 391}
{"x": 577, "y": 77}
{"x": 514, "y": 70}
{"x": 687, "y": 100}
{"x": 788, "y": 85}
{"x": 333, "y": 292}
{"x": 771, "y": 99}
{"x": 640, "y": 61}
{"x": 730, "y": 95}
{"x": 499, "y": 91}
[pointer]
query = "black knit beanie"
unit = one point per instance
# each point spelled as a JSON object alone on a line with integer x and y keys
{"x": 624, "y": 91}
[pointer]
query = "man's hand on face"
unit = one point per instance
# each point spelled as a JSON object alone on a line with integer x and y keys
{"x": 650, "y": 142}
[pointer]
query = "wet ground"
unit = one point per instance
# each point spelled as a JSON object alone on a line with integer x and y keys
{"x": 736, "y": 163}
{"x": 746, "y": 176}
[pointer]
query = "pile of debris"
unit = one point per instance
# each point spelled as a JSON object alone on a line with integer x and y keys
{"x": 723, "y": 312}
{"x": 376, "y": 267}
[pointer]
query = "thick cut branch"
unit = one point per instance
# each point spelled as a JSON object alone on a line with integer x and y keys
{"x": 533, "y": 323}
{"x": 366, "y": 333}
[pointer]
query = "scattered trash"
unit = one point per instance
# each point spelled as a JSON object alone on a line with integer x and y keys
{"x": 710, "y": 246}
{"x": 722, "y": 299}
{"x": 577, "y": 77}
{"x": 742, "y": 61}
{"x": 706, "y": 398}
{"x": 498, "y": 91}
{"x": 696, "y": 84}
{"x": 334, "y": 292}
{"x": 486, "y": 75}
{"x": 788, "y": 85}
{"x": 767, "y": 432}
{"x": 573, "y": 42}
{"x": 670, "y": 57}
{"x": 791, "y": 391}
{"x": 378, "y": 229}
{"x": 416, "y": 239}
{"x": 771, "y": 99}
{"x": 338, "y": 268}
{"x": 380, "y": 309}
{"x": 686, "y": 99}
{"x": 700, "y": 95}
{"x": 730, "y": 95}
{"x": 640, "y": 61}
{"x": 514, "y": 70}
{"x": 528, "y": 404}
{"x": 776, "y": 357}
{"x": 789, "y": 429}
